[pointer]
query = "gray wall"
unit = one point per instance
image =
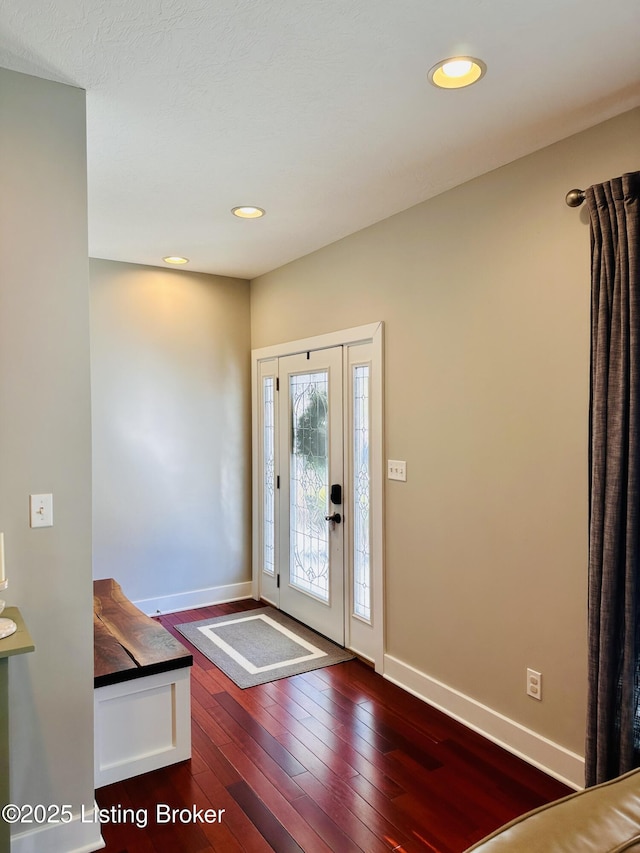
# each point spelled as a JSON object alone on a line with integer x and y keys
{"x": 484, "y": 292}
{"x": 45, "y": 440}
{"x": 171, "y": 432}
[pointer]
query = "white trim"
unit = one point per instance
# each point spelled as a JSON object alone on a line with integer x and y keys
{"x": 534, "y": 748}
{"x": 355, "y": 335}
{"x": 194, "y": 598}
{"x": 81, "y": 835}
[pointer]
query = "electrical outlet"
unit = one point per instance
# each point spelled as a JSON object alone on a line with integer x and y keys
{"x": 534, "y": 684}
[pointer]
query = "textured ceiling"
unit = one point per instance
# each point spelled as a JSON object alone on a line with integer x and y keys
{"x": 318, "y": 111}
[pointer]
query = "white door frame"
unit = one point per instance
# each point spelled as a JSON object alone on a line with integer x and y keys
{"x": 372, "y": 333}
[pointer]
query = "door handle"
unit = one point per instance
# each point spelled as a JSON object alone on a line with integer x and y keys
{"x": 336, "y": 518}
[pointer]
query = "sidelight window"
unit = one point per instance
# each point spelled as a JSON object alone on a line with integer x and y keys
{"x": 361, "y": 494}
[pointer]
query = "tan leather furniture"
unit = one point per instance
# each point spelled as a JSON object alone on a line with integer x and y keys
{"x": 602, "y": 819}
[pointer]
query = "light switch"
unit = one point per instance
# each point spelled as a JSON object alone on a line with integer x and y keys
{"x": 41, "y": 510}
{"x": 397, "y": 470}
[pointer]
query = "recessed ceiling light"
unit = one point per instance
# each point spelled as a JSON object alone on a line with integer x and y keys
{"x": 176, "y": 260}
{"x": 247, "y": 211}
{"x": 457, "y": 72}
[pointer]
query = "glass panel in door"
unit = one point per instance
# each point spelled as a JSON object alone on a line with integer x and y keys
{"x": 309, "y": 483}
{"x": 266, "y": 483}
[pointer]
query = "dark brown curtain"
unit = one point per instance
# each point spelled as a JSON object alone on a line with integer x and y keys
{"x": 613, "y": 725}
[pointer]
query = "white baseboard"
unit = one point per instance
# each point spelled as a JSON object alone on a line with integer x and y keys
{"x": 556, "y": 760}
{"x": 81, "y": 835}
{"x": 195, "y": 598}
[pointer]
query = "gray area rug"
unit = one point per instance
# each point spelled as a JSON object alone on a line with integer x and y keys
{"x": 261, "y": 645}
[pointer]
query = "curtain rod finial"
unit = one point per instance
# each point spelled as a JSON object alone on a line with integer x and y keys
{"x": 574, "y": 198}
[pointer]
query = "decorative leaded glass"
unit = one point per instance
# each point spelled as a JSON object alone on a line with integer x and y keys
{"x": 361, "y": 494}
{"x": 309, "y": 485}
{"x": 268, "y": 486}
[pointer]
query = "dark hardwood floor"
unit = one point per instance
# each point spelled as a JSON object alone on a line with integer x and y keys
{"x": 334, "y": 760}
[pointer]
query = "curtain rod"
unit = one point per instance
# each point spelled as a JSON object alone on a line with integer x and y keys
{"x": 574, "y": 198}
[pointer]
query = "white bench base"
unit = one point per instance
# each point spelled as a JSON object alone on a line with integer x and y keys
{"x": 141, "y": 725}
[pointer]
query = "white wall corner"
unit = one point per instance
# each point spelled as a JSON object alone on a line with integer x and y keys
{"x": 80, "y": 835}
{"x": 195, "y": 598}
{"x": 534, "y": 748}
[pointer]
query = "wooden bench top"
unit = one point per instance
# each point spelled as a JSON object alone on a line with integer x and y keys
{"x": 127, "y": 643}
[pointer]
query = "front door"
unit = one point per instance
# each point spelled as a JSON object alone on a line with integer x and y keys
{"x": 311, "y": 552}
{"x": 317, "y": 484}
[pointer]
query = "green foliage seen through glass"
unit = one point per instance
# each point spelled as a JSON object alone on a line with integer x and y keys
{"x": 310, "y": 430}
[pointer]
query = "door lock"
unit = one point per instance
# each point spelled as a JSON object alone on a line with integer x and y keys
{"x": 336, "y": 518}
